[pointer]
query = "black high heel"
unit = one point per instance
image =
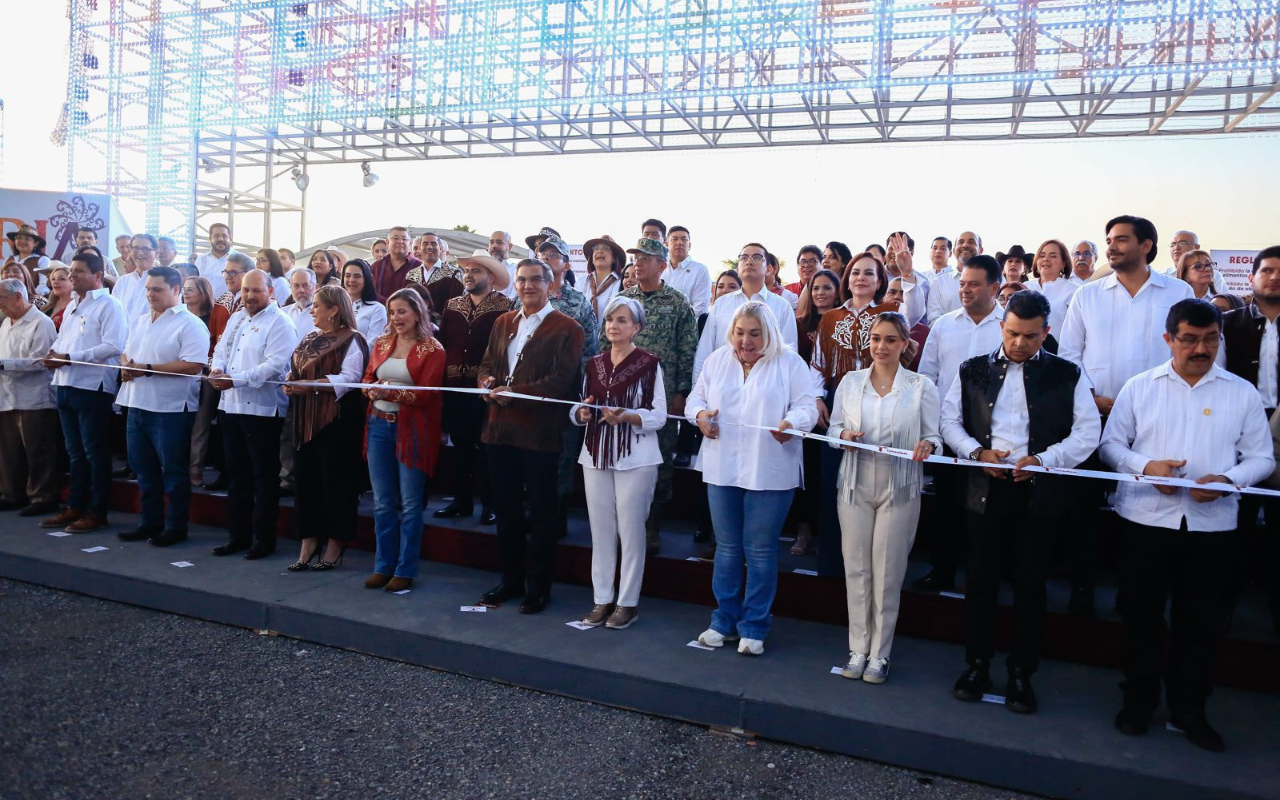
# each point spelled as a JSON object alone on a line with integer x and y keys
{"x": 327, "y": 565}
{"x": 300, "y": 565}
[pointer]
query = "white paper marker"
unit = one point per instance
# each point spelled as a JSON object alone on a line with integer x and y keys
{"x": 805, "y": 571}
{"x": 690, "y": 558}
{"x": 475, "y": 609}
{"x": 699, "y": 645}
{"x": 403, "y": 591}
{"x": 993, "y": 698}
{"x": 181, "y": 564}
{"x": 837, "y": 671}
{"x": 952, "y": 595}
{"x": 580, "y": 625}
{"x": 58, "y": 533}
{"x": 98, "y": 549}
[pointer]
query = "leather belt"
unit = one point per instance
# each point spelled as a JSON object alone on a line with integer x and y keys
{"x": 389, "y": 416}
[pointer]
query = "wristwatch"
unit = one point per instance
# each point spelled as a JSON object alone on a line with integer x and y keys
{"x": 976, "y": 454}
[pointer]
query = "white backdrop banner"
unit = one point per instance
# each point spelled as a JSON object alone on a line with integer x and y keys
{"x": 1236, "y": 267}
{"x": 56, "y": 216}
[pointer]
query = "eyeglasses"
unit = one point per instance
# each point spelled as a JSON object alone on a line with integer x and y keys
{"x": 1202, "y": 267}
{"x": 1210, "y": 340}
{"x": 808, "y": 262}
{"x": 537, "y": 279}
{"x": 227, "y": 273}
{"x": 142, "y": 251}
{"x": 751, "y": 258}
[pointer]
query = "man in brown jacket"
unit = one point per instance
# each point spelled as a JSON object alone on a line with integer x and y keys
{"x": 537, "y": 351}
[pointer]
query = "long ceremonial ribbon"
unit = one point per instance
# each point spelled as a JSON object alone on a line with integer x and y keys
{"x": 894, "y": 452}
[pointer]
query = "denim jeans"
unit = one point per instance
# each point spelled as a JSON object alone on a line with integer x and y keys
{"x": 747, "y": 524}
{"x": 86, "y": 427}
{"x": 399, "y": 492}
{"x": 159, "y": 454}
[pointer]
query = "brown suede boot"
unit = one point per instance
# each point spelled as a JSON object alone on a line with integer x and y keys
{"x": 62, "y": 519}
{"x": 399, "y": 584}
{"x": 376, "y": 581}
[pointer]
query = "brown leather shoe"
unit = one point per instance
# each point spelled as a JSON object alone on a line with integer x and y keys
{"x": 61, "y": 519}
{"x": 376, "y": 581}
{"x": 622, "y": 617}
{"x": 598, "y": 614}
{"x": 399, "y": 584}
{"x": 91, "y": 521}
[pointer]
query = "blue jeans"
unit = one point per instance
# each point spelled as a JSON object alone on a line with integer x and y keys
{"x": 399, "y": 492}
{"x": 86, "y": 427}
{"x": 159, "y": 454}
{"x": 747, "y": 524}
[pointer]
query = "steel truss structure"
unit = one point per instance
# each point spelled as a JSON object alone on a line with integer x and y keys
{"x": 230, "y": 96}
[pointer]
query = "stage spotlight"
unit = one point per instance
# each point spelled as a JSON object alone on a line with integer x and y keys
{"x": 301, "y": 180}
{"x": 370, "y": 178}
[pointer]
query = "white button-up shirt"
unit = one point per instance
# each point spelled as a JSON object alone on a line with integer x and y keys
{"x": 301, "y": 318}
{"x": 1218, "y": 426}
{"x": 210, "y": 267}
{"x": 1059, "y": 294}
{"x": 511, "y": 264}
{"x": 131, "y": 291}
{"x": 644, "y": 450}
{"x": 944, "y": 295}
{"x": 94, "y": 329}
{"x": 1268, "y": 355}
{"x": 954, "y": 339}
{"x": 524, "y": 332}
{"x": 915, "y": 297}
{"x": 720, "y": 317}
{"x": 694, "y": 279}
{"x": 778, "y": 388}
{"x": 175, "y": 335}
{"x": 252, "y": 351}
{"x": 25, "y": 385}
{"x": 1011, "y": 422}
{"x": 1113, "y": 336}
{"x": 371, "y": 319}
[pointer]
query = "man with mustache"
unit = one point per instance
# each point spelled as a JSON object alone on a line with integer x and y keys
{"x": 1113, "y": 331}
{"x": 944, "y": 294}
{"x": 1082, "y": 259}
{"x": 1210, "y": 428}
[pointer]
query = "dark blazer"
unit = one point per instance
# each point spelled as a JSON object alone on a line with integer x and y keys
{"x": 548, "y": 367}
{"x": 1242, "y": 337}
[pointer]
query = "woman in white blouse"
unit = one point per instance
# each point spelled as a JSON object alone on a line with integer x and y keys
{"x": 878, "y": 498}
{"x": 371, "y": 316}
{"x": 745, "y": 397}
{"x": 620, "y": 459}
{"x": 1052, "y": 269}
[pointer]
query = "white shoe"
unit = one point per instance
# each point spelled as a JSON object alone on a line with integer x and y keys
{"x": 714, "y": 638}
{"x": 751, "y": 647}
{"x": 877, "y": 670}
{"x": 857, "y": 663}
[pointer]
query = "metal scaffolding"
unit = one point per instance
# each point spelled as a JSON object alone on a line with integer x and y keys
{"x": 203, "y": 108}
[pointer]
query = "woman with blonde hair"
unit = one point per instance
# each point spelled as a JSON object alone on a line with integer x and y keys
{"x": 878, "y": 496}
{"x": 751, "y": 474}
{"x": 59, "y": 299}
{"x": 1195, "y": 268}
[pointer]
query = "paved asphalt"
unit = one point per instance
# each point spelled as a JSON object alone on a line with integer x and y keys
{"x": 103, "y": 700}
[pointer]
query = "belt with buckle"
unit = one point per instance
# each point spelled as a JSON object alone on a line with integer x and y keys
{"x": 389, "y": 416}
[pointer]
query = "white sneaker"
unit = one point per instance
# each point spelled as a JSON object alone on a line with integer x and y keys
{"x": 714, "y": 638}
{"x": 751, "y": 647}
{"x": 877, "y": 670}
{"x": 857, "y": 663}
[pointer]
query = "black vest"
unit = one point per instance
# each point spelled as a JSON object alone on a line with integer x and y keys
{"x": 1050, "y": 385}
{"x": 1242, "y": 334}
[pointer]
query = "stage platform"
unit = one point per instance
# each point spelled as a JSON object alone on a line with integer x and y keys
{"x": 1069, "y": 749}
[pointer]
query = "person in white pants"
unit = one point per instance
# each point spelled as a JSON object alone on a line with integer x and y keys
{"x": 620, "y": 458}
{"x": 878, "y": 500}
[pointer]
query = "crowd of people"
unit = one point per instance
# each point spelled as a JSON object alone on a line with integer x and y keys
{"x": 1024, "y": 361}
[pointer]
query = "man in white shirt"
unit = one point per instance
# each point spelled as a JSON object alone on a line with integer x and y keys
{"x": 899, "y": 254}
{"x": 1114, "y": 330}
{"x": 751, "y": 267}
{"x": 165, "y": 353}
{"x": 255, "y": 349}
{"x": 1185, "y": 418}
{"x": 685, "y": 274}
{"x": 302, "y": 287}
{"x": 957, "y": 336}
{"x": 28, "y": 412}
{"x": 212, "y": 263}
{"x": 943, "y": 291}
{"x": 500, "y": 248}
{"x": 86, "y": 236}
{"x": 1082, "y": 260}
{"x": 233, "y": 271}
{"x": 166, "y": 251}
{"x": 130, "y": 288}
{"x": 1184, "y": 242}
{"x": 1020, "y": 406}
{"x": 93, "y": 330}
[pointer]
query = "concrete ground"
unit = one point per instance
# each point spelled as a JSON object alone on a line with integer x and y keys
{"x": 104, "y": 700}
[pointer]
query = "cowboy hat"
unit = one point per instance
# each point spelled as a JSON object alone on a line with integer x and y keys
{"x": 619, "y": 255}
{"x": 1014, "y": 252}
{"x": 53, "y": 264}
{"x": 497, "y": 270}
{"x": 532, "y": 241}
{"x": 26, "y": 230}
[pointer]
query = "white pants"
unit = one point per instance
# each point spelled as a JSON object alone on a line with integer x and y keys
{"x": 876, "y": 539}
{"x": 618, "y": 503}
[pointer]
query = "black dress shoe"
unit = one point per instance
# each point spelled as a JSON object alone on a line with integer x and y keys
{"x": 934, "y": 582}
{"x": 259, "y": 551}
{"x": 974, "y": 683}
{"x": 487, "y": 517}
{"x": 137, "y": 534}
{"x": 1018, "y": 694}
{"x": 501, "y": 594}
{"x": 535, "y": 603}
{"x": 168, "y": 538}
{"x": 229, "y": 548}
{"x": 38, "y": 509}
{"x": 454, "y": 509}
{"x": 1198, "y": 731}
{"x": 682, "y": 461}
{"x": 218, "y": 484}
{"x": 1082, "y": 605}
{"x": 1132, "y": 722}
